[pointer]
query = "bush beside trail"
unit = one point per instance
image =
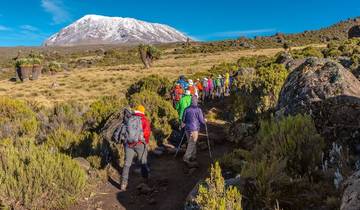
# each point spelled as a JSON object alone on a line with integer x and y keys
{"x": 161, "y": 113}
{"x": 35, "y": 178}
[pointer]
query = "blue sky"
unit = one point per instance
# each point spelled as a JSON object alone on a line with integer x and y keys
{"x": 30, "y": 22}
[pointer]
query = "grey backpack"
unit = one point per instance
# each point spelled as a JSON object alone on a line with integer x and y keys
{"x": 130, "y": 131}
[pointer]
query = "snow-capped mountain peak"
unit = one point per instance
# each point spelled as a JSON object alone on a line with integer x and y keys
{"x": 97, "y": 29}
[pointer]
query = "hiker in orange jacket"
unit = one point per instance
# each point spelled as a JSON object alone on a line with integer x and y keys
{"x": 199, "y": 88}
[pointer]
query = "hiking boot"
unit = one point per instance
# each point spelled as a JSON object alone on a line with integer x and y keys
{"x": 123, "y": 186}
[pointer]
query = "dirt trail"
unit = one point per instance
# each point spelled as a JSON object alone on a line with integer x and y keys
{"x": 170, "y": 180}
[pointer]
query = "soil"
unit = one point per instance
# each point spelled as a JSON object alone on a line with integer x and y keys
{"x": 170, "y": 180}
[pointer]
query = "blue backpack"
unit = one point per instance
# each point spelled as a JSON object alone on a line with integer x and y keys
{"x": 130, "y": 130}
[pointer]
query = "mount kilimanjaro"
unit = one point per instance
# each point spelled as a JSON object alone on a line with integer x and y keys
{"x": 96, "y": 29}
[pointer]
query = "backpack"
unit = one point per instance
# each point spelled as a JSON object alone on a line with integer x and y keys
{"x": 130, "y": 130}
{"x": 178, "y": 94}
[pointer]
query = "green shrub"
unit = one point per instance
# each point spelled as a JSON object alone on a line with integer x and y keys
{"x": 16, "y": 119}
{"x": 34, "y": 178}
{"x": 308, "y": 52}
{"x": 63, "y": 140}
{"x": 270, "y": 80}
{"x": 153, "y": 83}
{"x": 53, "y": 67}
{"x": 294, "y": 139}
{"x": 161, "y": 113}
{"x": 254, "y": 61}
{"x": 284, "y": 162}
{"x": 258, "y": 92}
{"x": 101, "y": 109}
{"x": 223, "y": 68}
{"x": 333, "y": 53}
{"x": 95, "y": 161}
{"x": 214, "y": 194}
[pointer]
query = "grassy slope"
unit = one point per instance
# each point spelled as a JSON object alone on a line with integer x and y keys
{"x": 85, "y": 85}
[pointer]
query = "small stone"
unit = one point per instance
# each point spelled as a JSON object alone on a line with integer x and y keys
{"x": 83, "y": 163}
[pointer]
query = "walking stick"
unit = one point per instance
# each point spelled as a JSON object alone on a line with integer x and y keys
{"x": 178, "y": 148}
{"x": 208, "y": 141}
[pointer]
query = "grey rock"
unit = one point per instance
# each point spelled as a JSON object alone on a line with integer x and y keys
{"x": 354, "y": 32}
{"x": 83, "y": 163}
{"x": 329, "y": 93}
{"x": 284, "y": 58}
{"x": 351, "y": 195}
{"x": 242, "y": 133}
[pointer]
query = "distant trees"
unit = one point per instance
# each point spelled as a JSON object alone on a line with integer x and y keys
{"x": 148, "y": 54}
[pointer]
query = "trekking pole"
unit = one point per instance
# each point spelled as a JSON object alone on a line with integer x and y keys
{"x": 208, "y": 141}
{"x": 178, "y": 148}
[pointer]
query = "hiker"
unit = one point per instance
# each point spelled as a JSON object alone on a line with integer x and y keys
{"x": 183, "y": 83}
{"x": 210, "y": 87}
{"x": 184, "y": 103}
{"x": 176, "y": 94}
{"x": 135, "y": 133}
{"x": 192, "y": 88}
{"x": 205, "y": 89}
{"x": 199, "y": 88}
{"x": 218, "y": 88}
{"x": 192, "y": 119}
{"x": 227, "y": 84}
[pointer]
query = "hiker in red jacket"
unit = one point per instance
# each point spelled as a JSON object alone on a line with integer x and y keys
{"x": 140, "y": 126}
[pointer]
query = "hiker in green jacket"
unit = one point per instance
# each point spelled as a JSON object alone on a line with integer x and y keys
{"x": 184, "y": 103}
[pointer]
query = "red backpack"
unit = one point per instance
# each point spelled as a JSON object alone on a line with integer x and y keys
{"x": 178, "y": 92}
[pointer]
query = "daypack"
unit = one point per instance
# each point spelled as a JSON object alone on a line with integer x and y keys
{"x": 130, "y": 131}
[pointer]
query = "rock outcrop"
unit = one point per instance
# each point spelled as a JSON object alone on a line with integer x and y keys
{"x": 351, "y": 196}
{"x": 354, "y": 32}
{"x": 329, "y": 93}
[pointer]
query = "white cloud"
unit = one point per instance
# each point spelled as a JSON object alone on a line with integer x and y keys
{"x": 232, "y": 34}
{"x": 56, "y": 9}
{"x": 29, "y": 28}
{"x": 4, "y": 28}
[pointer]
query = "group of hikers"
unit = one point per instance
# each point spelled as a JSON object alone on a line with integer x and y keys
{"x": 135, "y": 130}
{"x": 207, "y": 89}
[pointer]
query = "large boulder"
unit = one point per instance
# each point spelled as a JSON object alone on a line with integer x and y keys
{"x": 329, "y": 93}
{"x": 354, "y": 32}
{"x": 351, "y": 196}
{"x": 294, "y": 64}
